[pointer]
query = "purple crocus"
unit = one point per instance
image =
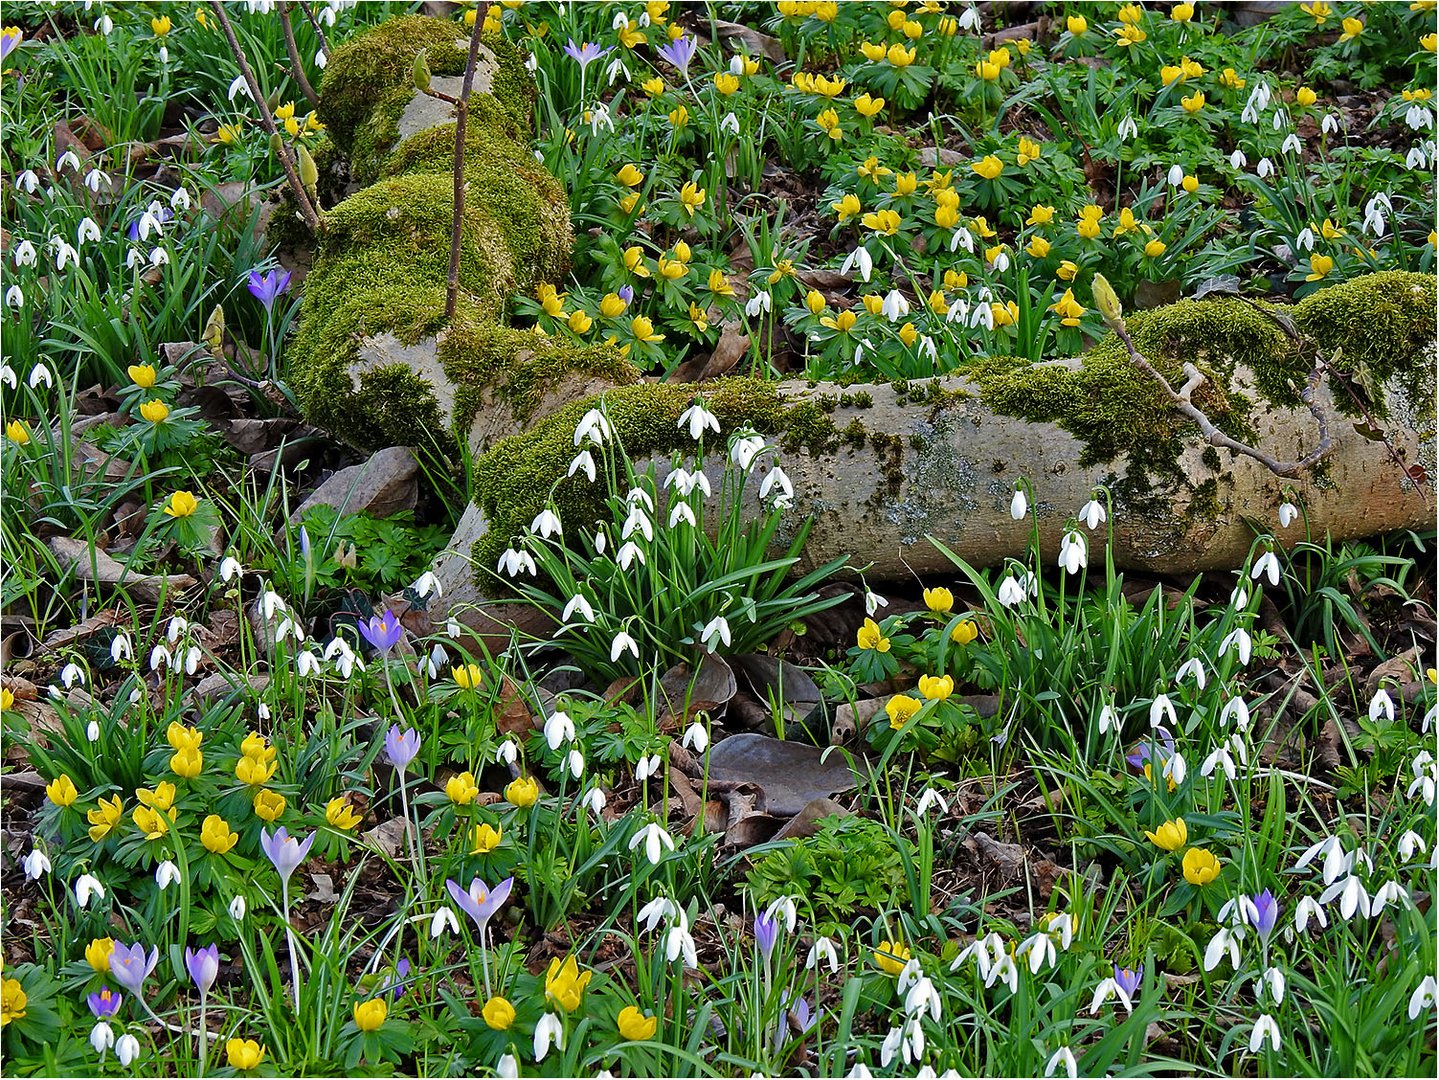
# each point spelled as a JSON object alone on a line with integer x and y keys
{"x": 401, "y": 746}
{"x": 479, "y": 902}
{"x": 1128, "y": 979}
{"x": 766, "y": 929}
{"x": 394, "y": 985}
{"x": 158, "y": 217}
{"x": 285, "y": 851}
{"x": 1264, "y": 914}
{"x": 585, "y": 54}
{"x": 269, "y": 287}
{"x": 131, "y": 967}
{"x": 9, "y": 38}
{"x": 382, "y": 631}
{"x": 203, "y": 966}
{"x": 679, "y": 52}
{"x": 105, "y": 1003}
{"x": 626, "y": 293}
{"x": 800, "y": 1015}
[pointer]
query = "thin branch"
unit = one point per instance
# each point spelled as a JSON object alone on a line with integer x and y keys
{"x": 462, "y": 111}
{"x": 1212, "y": 434}
{"x": 296, "y": 68}
{"x": 319, "y": 31}
{"x": 1417, "y": 481}
{"x": 307, "y": 209}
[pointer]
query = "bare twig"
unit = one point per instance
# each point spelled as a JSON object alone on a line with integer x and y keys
{"x": 319, "y": 31}
{"x": 462, "y": 111}
{"x": 307, "y": 209}
{"x": 1417, "y": 481}
{"x": 296, "y": 68}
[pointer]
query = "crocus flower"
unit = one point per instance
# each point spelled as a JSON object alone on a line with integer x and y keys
{"x": 284, "y": 850}
{"x": 480, "y": 902}
{"x": 766, "y": 929}
{"x": 585, "y": 54}
{"x": 1264, "y": 914}
{"x": 203, "y": 966}
{"x": 401, "y": 746}
{"x": 382, "y": 631}
{"x": 679, "y": 52}
{"x": 130, "y": 966}
{"x": 269, "y": 287}
{"x": 1147, "y": 749}
{"x": 105, "y": 1003}
{"x": 9, "y": 38}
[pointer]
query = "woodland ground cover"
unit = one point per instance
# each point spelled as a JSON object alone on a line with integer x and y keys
{"x": 725, "y": 812}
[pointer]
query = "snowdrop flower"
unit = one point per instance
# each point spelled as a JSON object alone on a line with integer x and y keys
{"x": 822, "y": 950}
{"x": 647, "y": 767}
{"x": 14, "y": 298}
{"x": 1238, "y": 160}
{"x": 1239, "y": 640}
{"x": 623, "y": 643}
{"x": 1273, "y": 980}
{"x": 36, "y": 865}
{"x": 1425, "y": 782}
{"x": 512, "y": 563}
{"x": 1330, "y": 124}
{"x": 593, "y": 427}
{"x": 507, "y": 752}
{"x": 321, "y": 59}
{"x": 1304, "y": 242}
{"x": 1291, "y": 145}
{"x": 1063, "y": 1056}
{"x": 1423, "y": 997}
{"x": 1264, "y": 169}
{"x": 1391, "y": 892}
{"x": 1192, "y": 667}
{"x": 963, "y": 238}
{"x": 969, "y": 20}
{"x": 716, "y": 629}
{"x": 873, "y": 602}
{"x": 25, "y": 254}
{"x": 1176, "y": 175}
{"x": 1160, "y": 709}
{"x": 745, "y": 449}
{"x": 1280, "y": 120}
{"x": 776, "y": 477}
{"x": 600, "y": 118}
{"x": 1409, "y": 843}
{"x": 102, "y": 1038}
{"x": 1073, "y": 553}
{"x": 983, "y": 316}
{"x": 576, "y": 761}
{"x": 545, "y": 525}
{"x": 67, "y": 160}
{"x": 783, "y": 907}
{"x": 895, "y": 306}
{"x": 86, "y": 885}
{"x": 306, "y": 664}
{"x": 578, "y": 605}
{"x": 760, "y": 301}
{"x": 1415, "y": 158}
{"x": 679, "y": 942}
{"x": 238, "y": 86}
{"x": 127, "y": 1047}
{"x": 270, "y": 603}
{"x": 92, "y": 731}
{"x": 594, "y": 801}
{"x": 696, "y": 738}
{"x": 923, "y": 997}
{"x": 1418, "y": 117}
{"x": 661, "y": 907}
{"x": 443, "y": 919}
{"x": 912, "y": 1048}
{"x": 1353, "y": 897}
{"x": 1381, "y": 704}
{"x": 1010, "y": 593}
{"x": 549, "y": 1029}
{"x": 167, "y": 874}
{"x": 1108, "y": 719}
{"x": 958, "y": 311}
{"x": 928, "y": 798}
{"x": 1267, "y": 565}
{"x": 682, "y": 512}
{"x": 71, "y": 674}
{"x": 1334, "y": 860}
{"x": 160, "y": 657}
{"x": 1093, "y": 514}
{"x": 890, "y": 1046}
{"x": 1121, "y": 985}
{"x": 1219, "y": 758}
{"x": 1040, "y": 949}
{"x": 1175, "y": 769}
{"x": 559, "y": 728}
{"x": 1264, "y": 1028}
{"x": 859, "y": 259}
{"x": 1308, "y": 908}
{"x": 87, "y": 231}
{"x": 1004, "y": 971}
{"x": 1018, "y": 505}
{"x": 1128, "y": 129}
{"x": 628, "y": 554}
{"x": 585, "y": 461}
{"x": 1225, "y": 941}
{"x": 637, "y": 520}
{"x": 27, "y": 181}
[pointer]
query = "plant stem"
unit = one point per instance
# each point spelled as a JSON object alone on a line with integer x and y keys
{"x": 296, "y": 69}
{"x": 290, "y": 940}
{"x": 462, "y": 113}
{"x": 203, "y": 1035}
{"x": 314, "y": 22}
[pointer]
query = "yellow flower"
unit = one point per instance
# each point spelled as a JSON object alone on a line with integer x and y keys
{"x": 630, "y": 176}
{"x": 1029, "y": 150}
{"x": 1194, "y": 102}
{"x": 612, "y": 306}
{"x": 1038, "y": 247}
{"x": 258, "y": 747}
{"x": 1087, "y": 227}
{"x": 870, "y": 637}
{"x": 1154, "y": 248}
{"x": 868, "y": 106}
{"x": 946, "y": 216}
{"x": 1318, "y": 11}
{"x": 61, "y": 791}
{"x": 988, "y": 166}
{"x": 1068, "y": 309}
{"x": 1190, "y": 184}
{"x": 939, "y": 600}
{"x": 187, "y": 763}
{"x": 12, "y": 1001}
{"x": 679, "y": 117}
{"x": 871, "y": 170}
{"x": 97, "y": 954}
{"x": 828, "y": 122}
{"x": 1128, "y": 35}
{"x": 635, "y": 1025}
{"x": 842, "y": 321}
{"x": 999, "y": 58}
{"x": 1229, "y": 78}
{"x": 155, "y": 411}
{"x": 216, "y": 834}
{"x": 142, "y": 375}
{"x": 719, "y": 284}
{"x": 874, "y": 304}
{"x": 948, "y": 26}
{"x": 269, "y": 805}
{"x": 846, "y": 207}
{"x": 814, "y": 301}
{"x": 898, "y": 56}
{"x": 461, "y": 789}
{"x": 726, "y": 83}
{"x": 243, "y": 1054}
{"x": 182, "y": 504}
{"x": 656, "y": 10}
{"x": 1130, "y": 14}
{"x": 254, "y": 771}
{"x": 183, "y": 737}
{"x": 1192, "y": 68}
{"x": 1040, "y": 215}
{"x": 1352, "y": 29}
{"x": 936, "y": 687}
{"x": 160, "y": 26}
{"x": 891, "y": 956}
{"x": 1200, "y": 867}
{"x": 671, "y": 269}
{"x": 692, "y": 197}
{"x": 987, "y": 71}
{"x": 1170, "y": 73}
{"x": 905, "y": 184}
{"x": 644, "y": 330}
{"x": 1319, "y": 267}
{"x": 1171, "y": 836}
{"x": 369, "y": 1015}
{"x": 341, "y": 814}
{"x": 1305, "y": 96}
{"x": 908, "y": 334}
{"x": 152, "y": 823}
{"x": 1067, "y": 271}
{"x": 484, "y": 838}
{"x": 499, "y": 1014}
{"x": 1076, "y": 25}
{"x": 7, "y": 699}
{"x": 523, "y": 792}
{"x": 872, "y": 52}
{"x": 884, "y": 222}
{"x": 162, "y": 798}
{"x": 1428, "y": 42}
{"x": 653, "y": 87}
{"x": 564, "y": 983}
{"x": 17, "y": 433}
{"x": 900, "y": 708}
{"x": 1181, "y": 12}
{"x": 467, "y": 676}
{"x": 104, "y": 818}
{"x": 965, "y": 631}
{"x": 629, "y": 36}
{"x": 783, "y": 268}
{"x": 1006, "y": 314}
{"x": 992, "y": 254}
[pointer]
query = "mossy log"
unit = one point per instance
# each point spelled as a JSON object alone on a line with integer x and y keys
{"x": 880, "y": 467}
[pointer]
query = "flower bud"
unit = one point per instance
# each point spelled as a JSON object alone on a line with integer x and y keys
{"x": 1106, "y": 300}
{"x": 421, "y": 71}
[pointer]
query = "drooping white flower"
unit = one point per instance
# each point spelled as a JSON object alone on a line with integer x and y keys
{"x": 1353, "y": 897}
{"x": 1238, "y": 160}
{"x": 1093, "y": 514}
{"x": 86, "y": 886}
{"x": 822, "y": 951}
{"x": 548, "y": 1030}
{"x": 655, "y": 839}
{"x": 1308, "y": 908}
{"x": 546, "y": 524}
{"x": 716, "y": 629}
{"x": 858, "y": 259}
{"x": 895, "y": 305}
{"x": 696, "y": 738}
{"x": 1018, "y": 504}
{"x": 760, "y": 301}
{"x": 1063, "y": 1056}
{"x": 873, "y": 602}
{"x": 513, "y": 563}
{"x": 1161, "y": 709}
{"x": 1225, "y": 940}
{"x": 594, "y": 801}
{"x": 1239, "y": 640}
{"x": 1288, "y": 512}
{"x": 1423, "y": 997}
{"x": 1128, "y": 129}
{"x": 36, "y": 865}
{"x": 1409, "y": 843}
{"x": 1010, "y": 592}
{"x": 127, "y": 1047}
{"x": 167, "y": 874}
{"x": 1264, "y": 1029}
{"x": 621, "y": 644}
{"x": 929, "y": 798}
{"x": 592, "y": 427}
{"x": 1073, "y": 552}
{"x": 1381, "y": 705}
{"x": 443, "y": 919}
{"x": 559, "y": 728}
{"x": 1267, "y": 565}
{"x": 1264, "y": 169}
{"x": 777, "y": 477}
{"x": 698, "y": 420}
{"x": 578, "y": 605}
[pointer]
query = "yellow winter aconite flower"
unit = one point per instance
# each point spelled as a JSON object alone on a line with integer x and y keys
{"x": 243, "y": 1054}
{"x": 1319, "y": 267}
{"x": 842, "y": 321}
{"x": 257, "y": 746}
{"x": 874, "y": 304}
{"x": 965, "y": 631}
{"x": 873, "y": 52}
{"x": 988, "y": 166}
{"x": 956, "y": 279}
{"x": 1230, "y": 79}
{"x": 630, "y": 175}
{"x": 1068, "y": 309}
{"x": 1318, "y": 11}
{"x": 1038, "y": 246}
{"x": 104, "y": 818}
{"x": 1128, "y": 35}
{"x": 499, "y": 1014}
{"x": 884, "y": 222}
{"x": 871, "y": 637}
{"x": 1154, "y": 248}
{"x": 986, "y": 71}
{"x": 946, "y": 215}
{"x": 1029, "y": 150}
{"x": 523, "y": 792}
{"x": 679, "y": 117}
{"x": 726, "y": 83}
{"x": 908, "y": 334}
{"x": 340, "y": 814}
{"x": 692, "y": 197}
{"x": 719, "y": 284}
{"x": 13, "y": 1001}
{"x": 1006, "y": 314}
{"x": 900, "y": 708}
{"x": 216, "y": 834}
{"x": 936, "y": 687}
{"x": 1428, "y": 42}
{"x": 814, "y": 301}
{"x": 467, "y": 676}
{"x": 630, "y": 36}
{"x": 868, "y": 106}
{"x": 1087, "y": 227}
{"x": 1305, "y": 96}
{"x": 891, "y": 956}
{"x": 671, "y": 269}
{"x": 1077, "y": 25}
{"x": 161, "y": 798}
{"x": 1200, "y": 866}
{"x": 612, "y": 306}
{"x": 484, "y": 838}
{"x": 644, "y": 330}
{"x": 871, "y": 170}
{"x": 155, "y": 411}
{"x": 97, "y": 954}
{"x": 898, "y": 56}
{"x": 828, "y": 122}
{"x": 1181, "y": 12}
{"x": 846, "y": 207}
{"x": 142, "y": 375}
{"x": 187, "y": 763}
{"x": 1190, "y": 184}
{"x": 153, "y": 823}
{"x": 653, "y": 87}
{"x": 1170, "y": 73}
{"x": 182, "y": 504}
{"x": 61, "y": 791}
{"x": 161, "y": 26}
{"x": 7, "y": 699}
{"x": 369, "y": 1015}
{"x": 905, "y": 184}
{"x": 1130, "y": 14}
{"x": 1040, "y": 215}
{"x": 635, "y": 1025}
{"x": 461, "y": 788}
{"x": 254, "y": 770}
{"x": 939, "y": 600}
{"x": 183, "y": 737}
{"x": 1171, "y": 836}
{"x": 17, "y": 433}
{"x": 565, "y": 983}
{"x": 1067, "y": 271}
{"x": 1194, "y": 102}
{"x": 268, "y": 805}
{"x": 992, "y": 254}
{"x": 1352, "y": 28}
{"x": 580, "y": 322}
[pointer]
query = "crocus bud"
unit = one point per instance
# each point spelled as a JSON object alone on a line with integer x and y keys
{"x": 422, "y": 71}
{"x": 1106, "y": 300}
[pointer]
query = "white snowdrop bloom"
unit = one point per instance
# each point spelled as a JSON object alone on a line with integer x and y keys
{"x": 25, "y": 254}
{"x": 443, "y": 920}
{"x": 962, "y": 238}
{"x": 1108, "y": 719}
{"x": 71, "y": 674}
{"x": 1010, "y": 592}
{"x": 969, "y": 21}
{"x": 14, "y": 298}
{"x": 1308, "y": 908}
{"x": 559, "y": 728}
{"x": 36, "y": 865}
{"x": 548, "y": 1030}
{"x": 167, "y": 874}
{"x": 306, "y": 664}
{"x": 271, "y": 603}
{"x": 576, "y": 762}
{"x": 1176, "y": 175}
{"x": 1425, "y": 782}
{"x": 637, "y": 520}
{"x": 746, "y": 447}
{"x": 1239, "y": 640}
{"x": 1264, "y": 1029}
{"x": 1195, "y": 668}
{"x": 958, "y": 311}
{"x": 512, "y": 563}
{"x": 930, "y": 798}
{"x": 890, "y": 1046}
{"x": 600, "y": 118}
{"x": 1415, "y": 158}
{"x": 67, "y": 160}
{"x": 655, "y": 841}
{"x": 1288, "y": 512}
{"x": 601, "y": 541}
{"x": 1005, "y": 971}
{"x": 647, "y": 766}
{"x": 321, "y": 59}
{"x": 1330, "y": 124}
{"x": 895, "y": 306}
{"x": 1238, "y": 160}
{"x": 1409, "y": 843}
{"x": 86, "y": 886}
{"x": 1219, "y": 758}
{"x": 87, "y": 231}
{"x": 92, "y": 731}
{"x": 1418, "y": 117}
{"x": 1064, "y": 1056}
{"x": 578, "y": 605}
{"x": 1391, "y": 892}
{"x": 1273, "y": 980}
{"x": 660, "y": 908}
{"x": 160, "y": 657}
{"x": 783, "y": 910}
{"x": 1175, "y": 769}
{"x": 230, "y": 568}
{"x": 1352, "y": 896}
{"x": 180, "y": 200}
{"x": 680, "y": 943}
{"x": 761, "y": 301}
{"x": 1161, "y": 709}
{"x": 822, "y": 951}
{"x": 583, "y": 461}
{"x": 594, "y": 801}
{"x": 730, "y": 123}
{"x": 1291, "y": 145}
{"x": 1334, "y": 860}
{"x": 1018, "y": 504}
{"x": 545, "y": 525}
{"x": 127, "y": 1047}
{"x": 858, "y": 259}
{"x": 65, "y": 255}
{"x": 287, "y": 627}
{"x": 507, "y": 752}
{"x": 696, "y": 738}
{"x": 1001, "y": 262}
{"x": 427, "y": 583}
{"x": 912, "y": 1049}
{"x": 133, "y": 259}
{"x": 776, "y": 477}
{"x": 629, "y": 554}
{"x": 983, "y": 316}
{"x": 716, "y": 629}
{"x": 192, "y": 655}
{"x": 1381, "y": 704}
{"x": 1040, "y": 950}
{"x": 1423, "y": 997}
{"x": 1305, "y": 240}
{"x": 1266, "y": 566}
{"x": 1073, "y": 553}
{"x": 1128, "y": 129}
{"x": 593, "y": 427}
{"x": 1224, "y": 941}
{"x": 27, "y": 181}
{"x": 40, "y": 373}
{"x": 1109, "y": 988}
{"x": 102, "y": 1038}
{"x": 623, "y": 643}
{"x": 873, "y": 602}
{"x": 1280, "y": 120}
{"x": 1264, "y": 169}
{"x": 1093, "y": 514}
{"x": 922, "y": 997}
